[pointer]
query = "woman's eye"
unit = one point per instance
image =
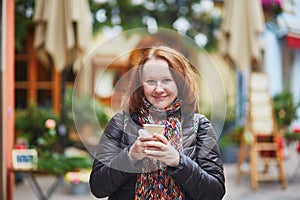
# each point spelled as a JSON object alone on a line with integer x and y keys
{"x": 167, "y": 80}
{"x": 150, "y": 82}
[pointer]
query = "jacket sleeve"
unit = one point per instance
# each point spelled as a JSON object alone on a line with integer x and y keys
{"x": 112, "y": 166}
{"x": 202, "y": 178}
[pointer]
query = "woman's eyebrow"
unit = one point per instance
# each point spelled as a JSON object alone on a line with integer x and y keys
{"x": 147, "y": 77}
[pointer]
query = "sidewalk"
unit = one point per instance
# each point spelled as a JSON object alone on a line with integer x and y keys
{"x": 266, "y": 190}
{"x": 235, "y": 191}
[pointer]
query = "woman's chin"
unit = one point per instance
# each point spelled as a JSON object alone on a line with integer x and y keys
{"x": 160, "y": 105}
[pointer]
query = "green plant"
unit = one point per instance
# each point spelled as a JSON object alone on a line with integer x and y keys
{"x": 291, "y": 136}
{"x": 285, "y": 108}
{"x": 186, "y": 16}
{"x": 272, "y": 7}
{"x": 59, "y": 163}
{"x": 23, "y": 20}
{"x": 30, "y": 123}
{"x": 38, "y": 127}
{"x": 232, "y": 137}
{"x": 85, "y": 108}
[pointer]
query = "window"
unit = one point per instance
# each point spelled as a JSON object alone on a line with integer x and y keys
{"x": 37, "y": 83}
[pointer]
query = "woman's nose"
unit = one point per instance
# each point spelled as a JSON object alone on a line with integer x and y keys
{"x": 159, "y": 87}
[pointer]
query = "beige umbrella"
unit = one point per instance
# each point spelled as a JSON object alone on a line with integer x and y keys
{"x": 242, "y": 25}
{"x": 62, "y": 31}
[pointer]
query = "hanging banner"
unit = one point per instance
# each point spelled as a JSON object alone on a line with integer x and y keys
{"x": 293, "y": 40}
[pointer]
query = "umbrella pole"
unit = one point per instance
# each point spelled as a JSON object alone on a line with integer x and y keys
{"x": 62, "y": 128}
{"x": 240, "y": 98}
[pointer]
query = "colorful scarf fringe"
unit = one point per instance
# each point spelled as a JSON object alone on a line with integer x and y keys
{"x": 155, "y": 182}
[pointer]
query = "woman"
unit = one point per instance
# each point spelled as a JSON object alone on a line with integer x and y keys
{"x": 184, "y": 162}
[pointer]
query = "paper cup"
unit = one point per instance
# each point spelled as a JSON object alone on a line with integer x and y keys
{"x": 154, "y": 128}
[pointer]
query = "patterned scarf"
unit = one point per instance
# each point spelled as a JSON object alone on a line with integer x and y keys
{"x": 155, "y": 182}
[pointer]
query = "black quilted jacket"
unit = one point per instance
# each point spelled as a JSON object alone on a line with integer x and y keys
{"x": 199, "y": 173}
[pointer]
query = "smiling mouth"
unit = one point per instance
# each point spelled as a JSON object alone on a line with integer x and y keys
{"x": 160, "y": 96}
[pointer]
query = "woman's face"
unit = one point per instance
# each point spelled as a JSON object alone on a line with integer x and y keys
{"x": 159, "y": 86}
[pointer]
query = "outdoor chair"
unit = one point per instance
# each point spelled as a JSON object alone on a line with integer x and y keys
{"x": 266, "y": 162}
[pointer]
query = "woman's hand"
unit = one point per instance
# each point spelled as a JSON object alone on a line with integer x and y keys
{"x": 136, "y": 152}
{"x": 160, "y": 149}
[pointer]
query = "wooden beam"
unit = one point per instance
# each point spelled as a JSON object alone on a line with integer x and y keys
{"x": 32, "y": 71}
{"x": 8, "y": 83}
{"x": 2, "y": 136}
{"x": 56, "y": 91}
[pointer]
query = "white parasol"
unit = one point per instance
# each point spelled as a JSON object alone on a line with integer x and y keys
{"x": 243, "y": 23}
{"x": 62, "y": 31}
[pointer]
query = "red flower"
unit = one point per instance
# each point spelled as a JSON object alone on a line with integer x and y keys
{"x": 296, "y": 129}
{"x": 298, "y": 147}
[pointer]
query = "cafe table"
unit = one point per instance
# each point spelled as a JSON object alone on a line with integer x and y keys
{"x": 31, "y": 177}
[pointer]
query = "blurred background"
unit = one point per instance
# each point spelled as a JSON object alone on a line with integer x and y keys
{"x": 67, "y": 61}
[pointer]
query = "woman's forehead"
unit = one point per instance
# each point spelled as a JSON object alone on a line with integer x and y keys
{"x": 157, "y": 67}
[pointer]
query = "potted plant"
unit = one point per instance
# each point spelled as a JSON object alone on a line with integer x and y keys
{"x": 88, "y": 114}
{"x": 285, "y": 109}
{"x": 229, "y": 144}
{"x": 78, "y": 181}
{"x": 37, "y": 126}
{"x": 59, "y": 163}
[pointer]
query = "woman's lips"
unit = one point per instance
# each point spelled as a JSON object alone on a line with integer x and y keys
{"x": 159, "y": 97}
